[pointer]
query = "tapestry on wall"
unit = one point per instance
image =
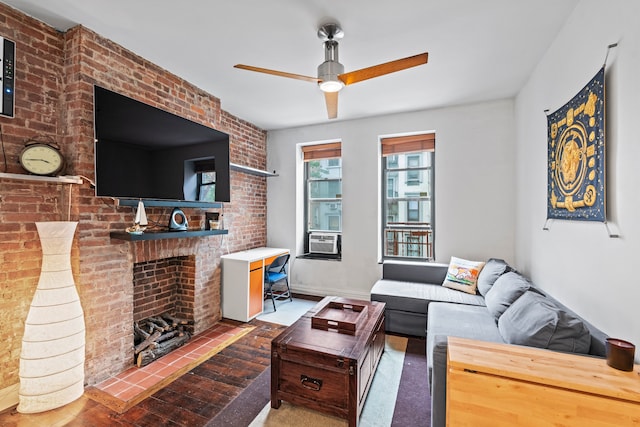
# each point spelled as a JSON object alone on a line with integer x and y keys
{"x": 576, "y": 149}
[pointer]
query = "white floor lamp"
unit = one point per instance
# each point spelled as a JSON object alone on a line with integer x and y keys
{"x": 53, "y": 345}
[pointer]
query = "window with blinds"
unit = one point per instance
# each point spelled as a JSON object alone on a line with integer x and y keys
{"x": 407, "y": 196}
{"x": 323, "y": 184}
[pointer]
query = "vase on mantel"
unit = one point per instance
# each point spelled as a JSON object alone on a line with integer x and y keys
{"x": 52, "y": 357}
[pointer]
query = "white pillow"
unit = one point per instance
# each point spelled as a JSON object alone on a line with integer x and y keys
{"x": 463, "y": 275}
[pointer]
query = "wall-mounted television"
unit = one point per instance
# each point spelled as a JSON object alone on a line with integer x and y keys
{"x": 143, "y": 152}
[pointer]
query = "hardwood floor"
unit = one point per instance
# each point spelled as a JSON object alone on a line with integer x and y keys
{"x": 191, "y": 400}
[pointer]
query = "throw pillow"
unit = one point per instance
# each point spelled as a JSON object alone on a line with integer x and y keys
{"x": 463, "y": 275}
{"x": 493, "y": 269}
{"x": 507, "y": 288}
{"x": 536, "y": 321}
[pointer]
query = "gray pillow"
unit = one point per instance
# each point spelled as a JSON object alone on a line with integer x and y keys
{"x": 536, "y": 321}
{"x": 493, "y": 269}
{"x": 507, "y": 288}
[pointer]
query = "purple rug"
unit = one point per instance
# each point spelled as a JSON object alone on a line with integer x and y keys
{"x": 412, "y": 408}
{"x": 413, "y": 405}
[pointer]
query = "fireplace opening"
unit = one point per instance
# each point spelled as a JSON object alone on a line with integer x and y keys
{"x": 157, "y": 336}
{"x": 163, "y": 302}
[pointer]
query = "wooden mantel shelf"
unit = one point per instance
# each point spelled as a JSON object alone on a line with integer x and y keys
{"x": 158, "y": 235}
{"x": 69, "y": 179}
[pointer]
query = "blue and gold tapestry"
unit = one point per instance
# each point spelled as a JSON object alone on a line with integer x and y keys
{"x": 576, "y": 163}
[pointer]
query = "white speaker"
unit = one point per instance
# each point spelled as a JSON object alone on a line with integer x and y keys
{"x": 178, "y": 221}
{"x": 7, "y": 62}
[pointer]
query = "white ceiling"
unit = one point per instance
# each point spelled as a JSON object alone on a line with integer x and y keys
{"x": 478, "y": 49}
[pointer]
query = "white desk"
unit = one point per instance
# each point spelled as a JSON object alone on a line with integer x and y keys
{"x": 243, "y": 282}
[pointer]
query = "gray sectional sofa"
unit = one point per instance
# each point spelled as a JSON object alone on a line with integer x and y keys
{"x": 506, "y": 308}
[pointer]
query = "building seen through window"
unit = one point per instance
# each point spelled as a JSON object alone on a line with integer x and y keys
{"x": 324, "y": 190}
{"x": 207, "y": 186}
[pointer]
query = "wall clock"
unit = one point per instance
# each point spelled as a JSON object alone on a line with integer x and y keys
{"x": 42, "y": 158}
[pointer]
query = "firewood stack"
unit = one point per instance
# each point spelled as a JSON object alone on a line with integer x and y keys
{"x": 156, "y": 336}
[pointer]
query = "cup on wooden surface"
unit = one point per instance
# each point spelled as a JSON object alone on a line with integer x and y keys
{"x": 620, "y": 354}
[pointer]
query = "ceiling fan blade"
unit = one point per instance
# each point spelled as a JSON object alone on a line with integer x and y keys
{"x": 277, "y": 73}
{"x": 331, "y": 99}
{"x": 382, "y": 69}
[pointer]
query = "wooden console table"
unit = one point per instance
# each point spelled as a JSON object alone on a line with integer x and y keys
{"x": 490, "y": 384}
{"x": 243, "y": 282}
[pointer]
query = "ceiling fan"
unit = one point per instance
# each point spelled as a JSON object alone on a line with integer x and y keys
{"x": 331, "y": 76}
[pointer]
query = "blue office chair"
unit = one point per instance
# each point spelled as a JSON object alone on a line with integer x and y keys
{"x": 274, "y": 273}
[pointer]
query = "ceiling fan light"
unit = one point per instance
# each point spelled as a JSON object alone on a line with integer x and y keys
{"x": 331, "y": 85}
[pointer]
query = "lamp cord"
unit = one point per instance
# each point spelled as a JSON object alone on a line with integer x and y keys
{"x": 69, "y": 204}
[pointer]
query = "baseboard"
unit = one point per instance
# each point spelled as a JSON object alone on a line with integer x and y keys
{"x": 9, "y": 397}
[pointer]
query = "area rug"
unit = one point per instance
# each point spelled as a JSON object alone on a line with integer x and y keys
{"x": 399, "y": 396}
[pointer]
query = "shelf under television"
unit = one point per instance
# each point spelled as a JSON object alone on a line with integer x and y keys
{"x": 158, "y": 235}
{"x": 149, "y": 203}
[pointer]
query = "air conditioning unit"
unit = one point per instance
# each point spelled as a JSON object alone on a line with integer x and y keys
{"x": 323, "y": 243}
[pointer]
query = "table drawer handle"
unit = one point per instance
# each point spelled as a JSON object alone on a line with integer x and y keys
{"x": 310, "y": 383}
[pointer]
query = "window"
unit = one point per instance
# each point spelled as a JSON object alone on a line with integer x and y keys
{"x": 206, "y": 179}
{"x": 407, "y": 197}
{"x": 413, "y": 210}
{"x": 413, "y": 175}
{"x": 207, "y": 186}
{"x": 323, "y": 195}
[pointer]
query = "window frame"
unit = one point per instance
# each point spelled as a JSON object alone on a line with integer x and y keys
{"x": 332, "y": 153}
{"x": 403, "y": 236}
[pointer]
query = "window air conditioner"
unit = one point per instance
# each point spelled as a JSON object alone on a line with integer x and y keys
{"x": 323, "y": 243}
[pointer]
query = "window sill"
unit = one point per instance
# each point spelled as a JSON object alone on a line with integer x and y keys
{"x": 324, "y": 257}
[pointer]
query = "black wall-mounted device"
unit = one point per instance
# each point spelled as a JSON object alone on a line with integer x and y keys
{"x": 7, "y": 61}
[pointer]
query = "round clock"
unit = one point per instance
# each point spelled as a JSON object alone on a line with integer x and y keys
{"x": 41, "y": 158}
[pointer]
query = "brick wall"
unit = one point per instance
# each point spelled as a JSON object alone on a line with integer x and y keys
{"x": 55, "y": 74}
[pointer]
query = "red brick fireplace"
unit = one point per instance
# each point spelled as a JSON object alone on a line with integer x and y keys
{"x": 55, "y": 74}
{"x": 164, "y": 286}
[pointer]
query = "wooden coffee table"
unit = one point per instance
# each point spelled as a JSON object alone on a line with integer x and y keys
{"x": 329, "y": 367}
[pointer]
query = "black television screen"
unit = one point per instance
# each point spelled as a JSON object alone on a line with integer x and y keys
{"x": 143, "y": 152}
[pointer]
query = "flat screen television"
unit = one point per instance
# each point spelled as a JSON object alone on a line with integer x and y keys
{"x": 143, "y": 152}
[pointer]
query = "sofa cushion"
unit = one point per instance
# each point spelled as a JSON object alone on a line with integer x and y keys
{"x": 465, "y": 321}
{"x": 463, "y": 275}
{"x": 507, "y": 288}
{"x": 414, "y": 271}
{"x": 415, "y": 297}
{"x": 405, "y": 323}
{"x": 444, "y": 320}
{"x": 534, "y": 320}
{"x": 493, "y": 269}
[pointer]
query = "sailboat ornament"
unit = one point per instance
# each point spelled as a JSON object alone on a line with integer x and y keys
{"x": 140, "y": 223}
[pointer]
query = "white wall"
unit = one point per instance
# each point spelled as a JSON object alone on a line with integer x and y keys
{"x": 475, "y": 191}
{"x": 575, "y": 261}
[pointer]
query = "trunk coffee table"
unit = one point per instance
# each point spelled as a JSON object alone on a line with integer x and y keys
{"x": 326, "y": 360}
